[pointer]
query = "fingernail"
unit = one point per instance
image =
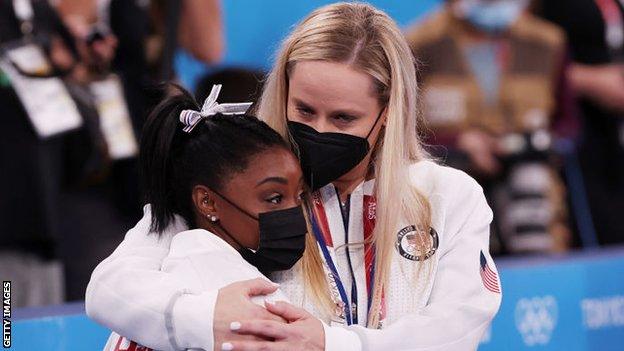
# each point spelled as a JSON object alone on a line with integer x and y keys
{"x": 227, "y": 346}
{"x": 275, "y": 285}
{"x": 235, "y": 326}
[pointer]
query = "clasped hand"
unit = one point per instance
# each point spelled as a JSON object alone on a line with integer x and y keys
{"x": 240, "y": 324}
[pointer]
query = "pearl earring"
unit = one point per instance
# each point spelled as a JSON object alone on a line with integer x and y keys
{"x": 213, "y": 218}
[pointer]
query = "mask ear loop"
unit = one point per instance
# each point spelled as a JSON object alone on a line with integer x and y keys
{"x": 235, "y": 205}
{"x": 231, "y": 236}
{"x": 238, "y": 208}
{"x": 375, "y": 124}
{"x": 371, "y": 167}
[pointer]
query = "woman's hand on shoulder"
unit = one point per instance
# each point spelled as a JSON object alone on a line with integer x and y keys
{"x": 303, "y": 331}
{"x": 234, "y": 304}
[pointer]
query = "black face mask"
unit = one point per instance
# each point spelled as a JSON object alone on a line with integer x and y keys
{"x": 325, "y": 157}
{"x": 282, "y": 238}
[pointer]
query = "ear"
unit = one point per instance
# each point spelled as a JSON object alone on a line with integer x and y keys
{"x": 203, "y": 199}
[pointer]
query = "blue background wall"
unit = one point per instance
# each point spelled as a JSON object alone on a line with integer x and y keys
{"x": 573, "y": 303}
{"x": 254, "y": 29}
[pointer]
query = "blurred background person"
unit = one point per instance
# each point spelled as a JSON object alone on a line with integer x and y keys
{"x": 76, "y": 82}
{"x": 41, "y": 122}
{"x": 130, "y": 48}
{"x": 595, "y": 29}
{"x": 495, "y": 97}
{"x": 147, "y": 35}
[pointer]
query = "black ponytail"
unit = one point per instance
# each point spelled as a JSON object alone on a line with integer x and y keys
{"x": 172, "y": 161}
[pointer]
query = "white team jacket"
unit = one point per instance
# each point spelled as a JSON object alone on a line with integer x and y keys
{"x": 133, "y": 295}
{"x": 200, "y": 261}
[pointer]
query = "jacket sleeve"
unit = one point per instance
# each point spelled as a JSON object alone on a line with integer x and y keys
{"x": 460, "y": 307}
{"x": 129, "y": 294}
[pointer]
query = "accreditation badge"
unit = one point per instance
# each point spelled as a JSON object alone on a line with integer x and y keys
{"x": 416, "y": 244}
{"x": 115, "y": 120}
{"x": 49, "y": 107}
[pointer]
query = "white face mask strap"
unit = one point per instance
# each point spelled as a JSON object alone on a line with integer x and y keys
{"x": 191, "y": 118}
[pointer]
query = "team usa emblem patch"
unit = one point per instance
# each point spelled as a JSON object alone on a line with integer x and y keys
{"x": 414, "y": 244}
{"x": 488, "y": 276}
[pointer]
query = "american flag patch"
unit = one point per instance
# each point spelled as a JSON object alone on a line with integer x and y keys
{"x": 488, "y": 276}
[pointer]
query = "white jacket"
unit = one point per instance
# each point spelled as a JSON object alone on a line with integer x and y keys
{"x": 130, "y": 294}
{"x": 199, "y": 262}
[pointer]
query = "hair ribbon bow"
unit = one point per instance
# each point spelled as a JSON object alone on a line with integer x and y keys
{"x": 191, "y": 118}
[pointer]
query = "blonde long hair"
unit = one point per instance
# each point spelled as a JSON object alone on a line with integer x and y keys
{"x": 370, "y": 41}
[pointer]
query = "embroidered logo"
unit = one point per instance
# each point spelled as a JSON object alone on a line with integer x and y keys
{"x": 414, "y": 244}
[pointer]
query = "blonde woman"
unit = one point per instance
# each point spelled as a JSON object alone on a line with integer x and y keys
{"x": 397, "y": 256}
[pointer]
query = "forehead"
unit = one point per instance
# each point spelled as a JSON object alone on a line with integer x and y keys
{"x": 274, "y": 162}
{"x": 331, "y": 85}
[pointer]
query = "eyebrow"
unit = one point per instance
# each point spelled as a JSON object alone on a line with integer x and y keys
{"x": 280, "y": 180}
{"x": 336, "y": 112}
{"x": 302, "y": 103}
